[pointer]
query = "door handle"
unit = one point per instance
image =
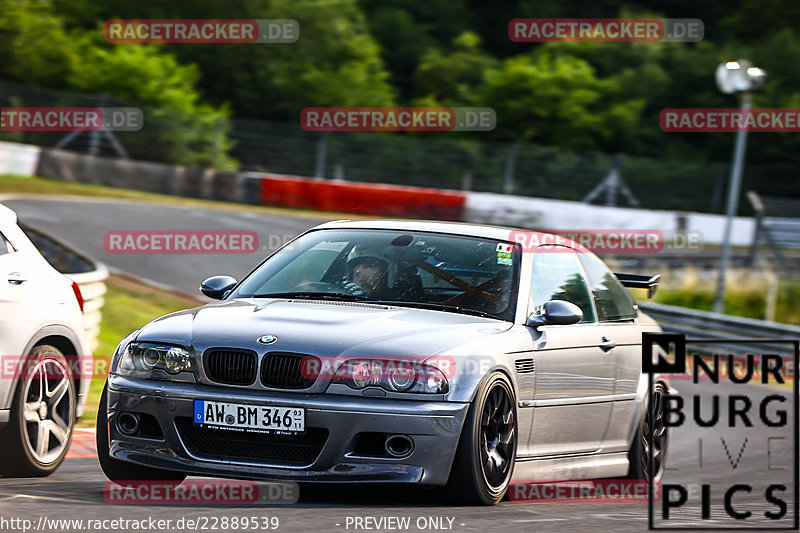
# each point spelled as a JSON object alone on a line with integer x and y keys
{"x": 17, "y": 278}
{"x": 607, "y": 344}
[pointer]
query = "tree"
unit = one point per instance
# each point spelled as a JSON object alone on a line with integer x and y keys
{"x": 556, "y": 100}
{"x": 453, "y": 79}
{"x": 335, "y": 62}
{"x": 34, "y": 46}
{"x": 179, "y": 127}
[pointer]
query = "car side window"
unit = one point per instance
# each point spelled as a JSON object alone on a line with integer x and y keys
{"x": 558, "y": 276}
{"x": 5, "y": 246}
{"x": 613, "y": 302}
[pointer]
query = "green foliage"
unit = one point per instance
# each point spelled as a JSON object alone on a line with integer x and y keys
{"x": 453, "y": 79}
{"x": 591, "y": 96}
{"x": 179, "y": 127}
{"x": 135, "y": 72}
{"x": 404, "y": 42}
{"x": 34, "y": 46}
{"x": 749, "y": 302}
{"x": 551, "y": 99}
{"x": 335, "y": 62}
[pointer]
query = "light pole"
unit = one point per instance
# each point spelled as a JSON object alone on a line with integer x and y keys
{"x": 734, "y": 76}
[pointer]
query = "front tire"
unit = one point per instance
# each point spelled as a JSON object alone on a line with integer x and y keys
{"x": 42, "y": 416}
{"x": 487, "y": 448}
{"x": 122, "y": 471}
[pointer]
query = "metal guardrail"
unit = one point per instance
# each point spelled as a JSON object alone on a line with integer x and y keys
{"x": 718, "y": 328}
{"x": 777, "y": 225}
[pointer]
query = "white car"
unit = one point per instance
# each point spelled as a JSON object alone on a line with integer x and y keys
{"x": 41, "y": 338}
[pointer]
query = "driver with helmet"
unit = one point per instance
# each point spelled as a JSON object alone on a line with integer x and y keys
{"x": 366, "y": 273}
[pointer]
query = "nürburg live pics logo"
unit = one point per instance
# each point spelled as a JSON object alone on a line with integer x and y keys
{"x": 731, "y": 414}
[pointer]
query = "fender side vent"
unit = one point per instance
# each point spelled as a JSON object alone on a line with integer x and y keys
{"x": 524, "y": 366}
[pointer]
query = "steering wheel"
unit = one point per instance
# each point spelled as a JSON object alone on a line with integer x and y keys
{"x": 315, "y": 286}
{"x": 323, "y": 286}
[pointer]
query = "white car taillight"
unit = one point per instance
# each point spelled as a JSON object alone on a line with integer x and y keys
{"x": 78, "y": 295}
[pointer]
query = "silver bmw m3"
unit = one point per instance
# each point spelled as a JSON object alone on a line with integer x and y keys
{"x": 417, "y": 352}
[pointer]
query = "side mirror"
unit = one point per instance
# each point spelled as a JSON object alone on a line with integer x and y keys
{"x": 217, "y": 287}
{"x": 556, "y": 312}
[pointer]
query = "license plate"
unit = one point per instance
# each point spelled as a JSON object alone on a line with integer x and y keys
{"x": 250, "y": 417}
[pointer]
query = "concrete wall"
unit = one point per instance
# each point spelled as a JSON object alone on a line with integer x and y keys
{"x": 149, "y": 177}
{"x": 19, "y": 159}
{"x": 548, "y": 214}
{"x": 362, "y": 198}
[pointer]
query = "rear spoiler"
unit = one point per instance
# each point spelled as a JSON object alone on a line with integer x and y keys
{"x": 636, "y": 281}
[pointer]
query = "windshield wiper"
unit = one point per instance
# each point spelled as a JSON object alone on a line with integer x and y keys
{"x": 310, "y": 295}
{"x": 437, "y": 307}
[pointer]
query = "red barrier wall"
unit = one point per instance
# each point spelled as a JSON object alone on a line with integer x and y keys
{"x": 362, "y": 198}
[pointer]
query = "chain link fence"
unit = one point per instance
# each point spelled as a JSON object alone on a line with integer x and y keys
{"x": 433, "y": 159}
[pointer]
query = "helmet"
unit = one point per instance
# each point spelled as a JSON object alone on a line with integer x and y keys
{"x": 372, "y": 254}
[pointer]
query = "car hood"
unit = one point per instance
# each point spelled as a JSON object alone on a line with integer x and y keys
{"x": 324, "y": 328}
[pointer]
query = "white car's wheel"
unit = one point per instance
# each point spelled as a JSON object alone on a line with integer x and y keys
{"x": 42, "y": 416}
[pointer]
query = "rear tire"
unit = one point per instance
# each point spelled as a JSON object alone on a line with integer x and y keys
{"x": 39, "y": 432}
{"x": 121, "y": 471}
{"x": 487, "y": 448}
{"x": 653, "y": 416}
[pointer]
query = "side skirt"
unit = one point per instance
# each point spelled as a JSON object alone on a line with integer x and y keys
{"x": 588, "y": 466}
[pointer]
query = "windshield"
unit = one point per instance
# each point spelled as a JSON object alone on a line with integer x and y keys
{"x": 445, "y": 272}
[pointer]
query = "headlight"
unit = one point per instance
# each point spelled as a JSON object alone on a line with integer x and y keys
{"x": 149, "y": 358}
{"x": 139, "y": 359}
{"x": 393, "y": 376}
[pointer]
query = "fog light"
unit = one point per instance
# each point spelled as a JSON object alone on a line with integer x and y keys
{"x": 128, "y": 423}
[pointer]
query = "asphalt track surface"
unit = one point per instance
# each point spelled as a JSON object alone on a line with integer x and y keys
{"x": 83, "y": 224}
{"x": 717, "y": 456}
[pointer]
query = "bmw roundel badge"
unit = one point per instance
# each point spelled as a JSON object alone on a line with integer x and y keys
{"x": 267, "y": 339}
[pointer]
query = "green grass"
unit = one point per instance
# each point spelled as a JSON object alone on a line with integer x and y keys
{"x": 128, "y": 305}
{"x": 747, "y": 302}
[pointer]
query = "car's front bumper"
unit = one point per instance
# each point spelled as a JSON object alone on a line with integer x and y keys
{"x": 434, "y": 428}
